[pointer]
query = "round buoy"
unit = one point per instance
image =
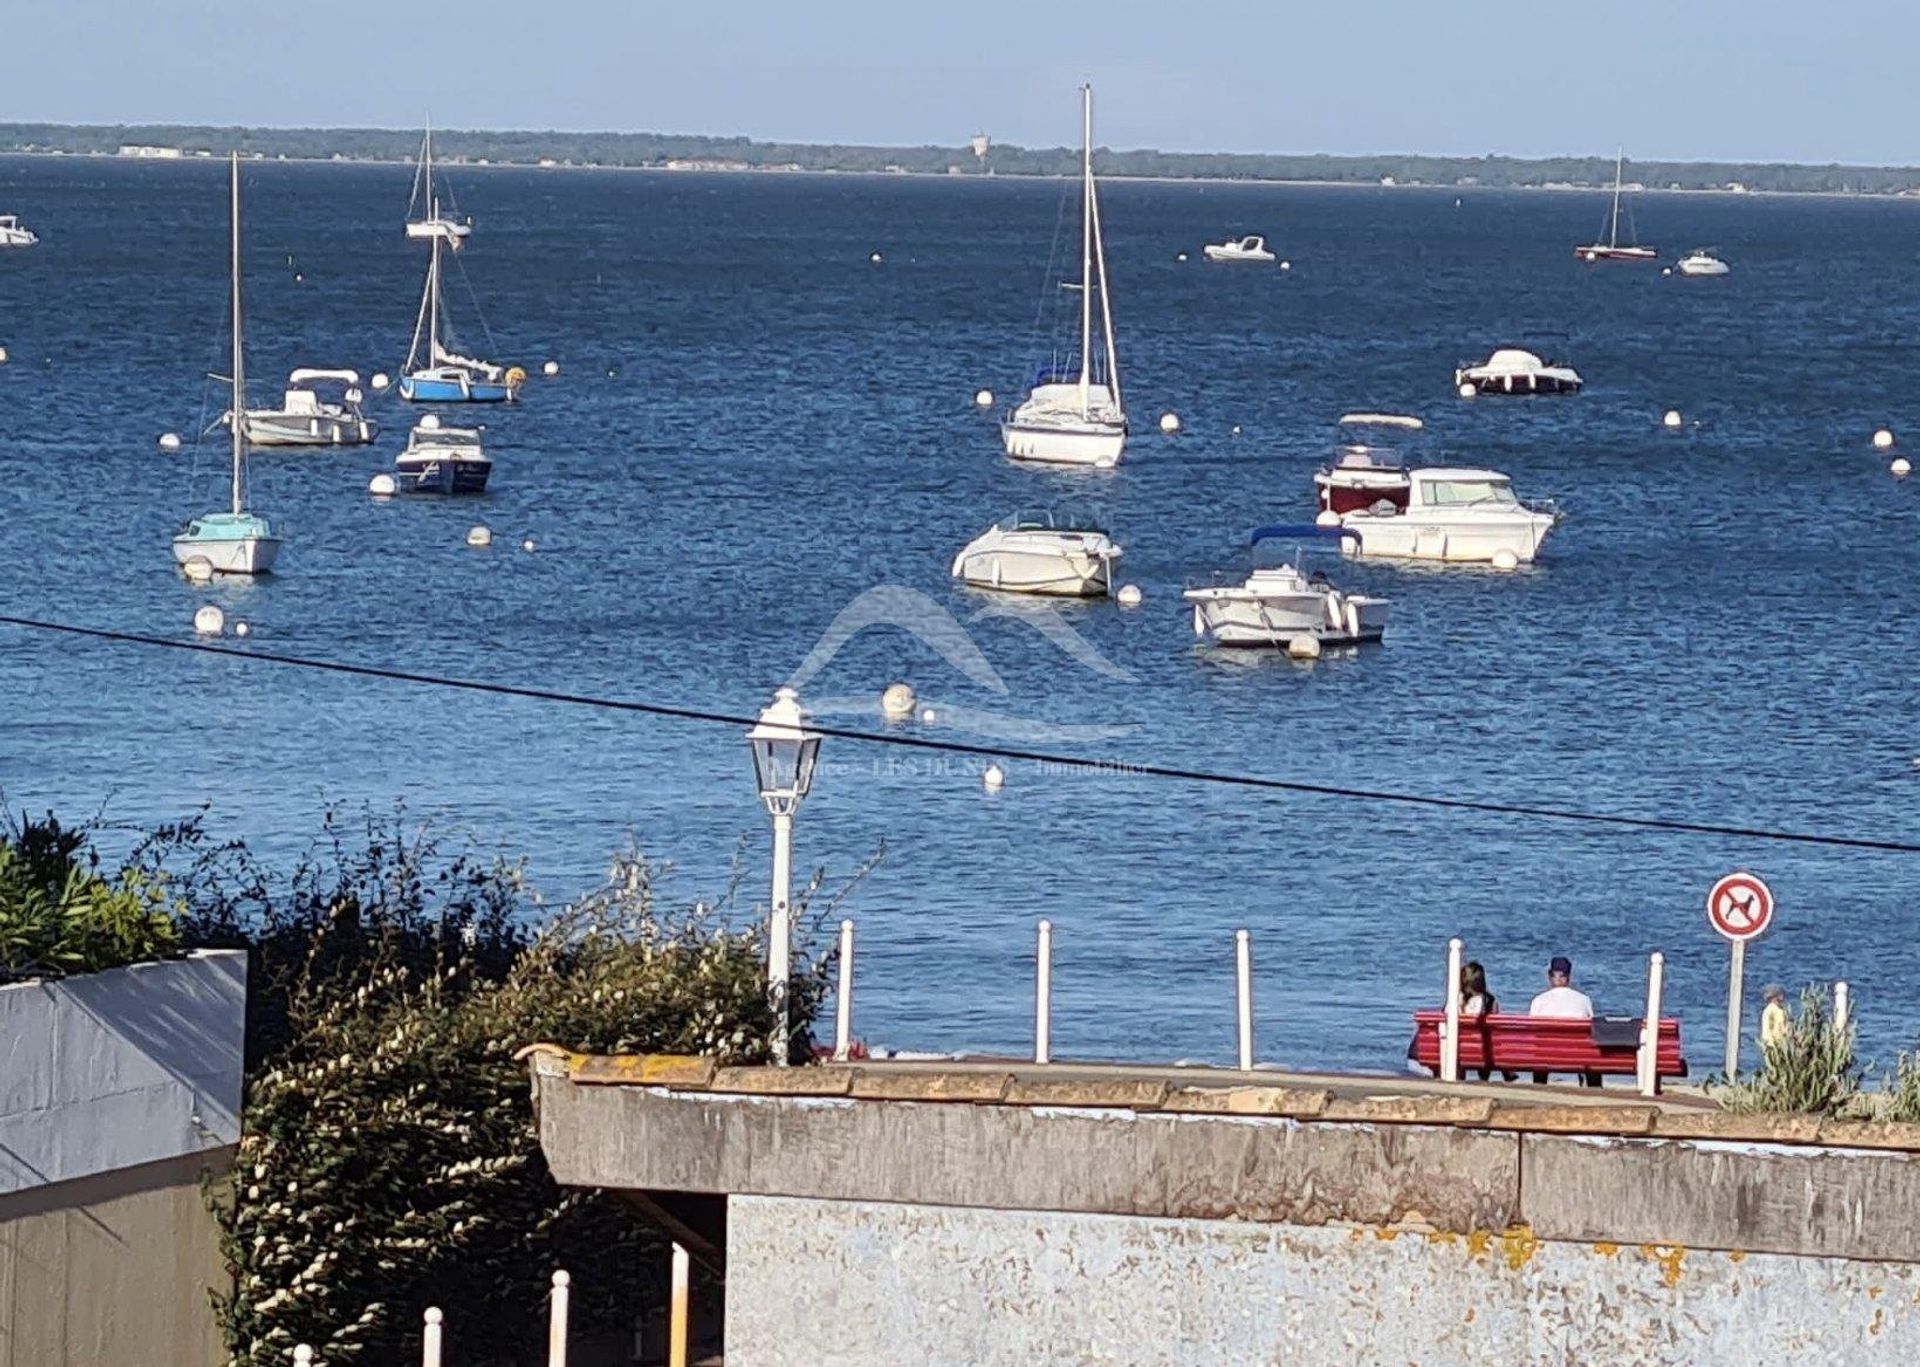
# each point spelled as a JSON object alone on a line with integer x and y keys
{"x": 1671, "y": 418}
{"x": 3, "y": 355}
{"x": 983, "y": 398}
{"x": 994, "y": 778}
{"x": 1286, "y": 265}
{"x": 1901, "y": 467}
{"x": 209, "y": 620}
{"x": 1236, "y": 429}
{"x": 479, "y": 536}
{"x": 1666, "y": 270}
{"x": 897, "y": 701}
{"x": 1883, "y": 439}
{"x": 1304, "y": 647}
{"x": 1326, "y": 517}
{"x": 528, "y": 546}
{"x": 382, "y": 486}
{"x": 876, "y": 258}
{"x": 550, "y": 369}
{"x": 430, "y": 423}
{"x": 1129, "y": 596}
{"x": 198, "y": 570}
{"x": 299, "y": 279}
{"x": 1504, "y": 559}
{"x": 1169, "y": 423}
{"x": 1467, "y": 391}
{"x": 169, "y": 441}
{"x": 928, "y": 716}
{"x": 380, "y": 380}
{"x": 1181, "y": 257}
{"x": 241, "y": 629}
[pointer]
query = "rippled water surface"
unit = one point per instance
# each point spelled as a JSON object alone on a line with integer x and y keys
{"x": 753, "y": 425}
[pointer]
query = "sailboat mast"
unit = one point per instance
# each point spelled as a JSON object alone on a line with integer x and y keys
{"x": 1086, "y": 245}
{"x": 433, "y": 297}
{"x": 1613, "y": 233}
{"x": 239, "y": 423}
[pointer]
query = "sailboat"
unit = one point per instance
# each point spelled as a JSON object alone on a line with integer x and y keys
{"x": 1075, "y": 416}
{"x": 435, "y": 374}
{"x": 1613, "y": 249}
{"x": 453, "y": 231}
{"x": 236, "y": 541}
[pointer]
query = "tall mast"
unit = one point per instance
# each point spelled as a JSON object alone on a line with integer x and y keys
{"x": 239, "y": 423}
{"x": 1613, "y": 233}
{"x": 1106, "y": 305}
{"x": 433, "y": 296}
{"x": 1086, "y": 244}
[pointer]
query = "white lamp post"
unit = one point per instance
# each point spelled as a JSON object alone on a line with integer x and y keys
{"x": 784, "y": 752}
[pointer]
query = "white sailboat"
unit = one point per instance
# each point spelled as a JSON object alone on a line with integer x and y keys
{"x": 1613, "y": 249}
{"x": 435, "y": 373}
{"x": 434, "y": 224}
{"x": 1077, "y": 417}
{"x": 235, "y": 541}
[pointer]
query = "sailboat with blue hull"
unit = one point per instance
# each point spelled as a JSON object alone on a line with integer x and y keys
{"x": 236, "y": 541}
{"x": 434, "y": 372}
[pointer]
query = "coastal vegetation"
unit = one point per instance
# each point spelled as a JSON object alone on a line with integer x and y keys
{"x": 60, "y": 914}
{"x": 696, "y": 152}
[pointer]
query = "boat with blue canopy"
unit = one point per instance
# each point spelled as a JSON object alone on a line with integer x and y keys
{"x": 1276, "y": 605}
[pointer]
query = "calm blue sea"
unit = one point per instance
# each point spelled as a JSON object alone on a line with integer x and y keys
{"x": 754, "y": 425}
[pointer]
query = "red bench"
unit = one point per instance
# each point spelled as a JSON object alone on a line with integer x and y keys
{"x": 1543, "y": 1045}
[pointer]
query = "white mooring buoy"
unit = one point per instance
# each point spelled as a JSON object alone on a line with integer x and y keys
{"x": 928, "y": 716}
{"x": 1129, "y": 596}
{"x": 1467, "y": 391}
{"x": 993, "y": 778}
{"x": 876, "y": 258}
{"x": 1286, "y": 265}
{"x": 550, "y": 369}
{"x": 169, "y": 441}
{"x": 1883, "y": 439}
{"x": 380, "y": 380}
{"x": 528, "y": 546}
{"x": 1671, "y": 418}
{"x": 479, "y": 536}
{"x": 3, "y": 355}
{"x": 1304, "y": 647}
{"x": 209, "y": 620}
{"x": 1326, "y": 517}
{"x": 1901, "y": 467}
{"x": 198, "y": 570}
{"x": 897, "y": 700}
{"x": 382, "y": 486}
{"x": 983, "y": 398}
{"x": 1170, "y": 423}
{"x": 242, "y": 629}
{"x": 1504, "y": 559}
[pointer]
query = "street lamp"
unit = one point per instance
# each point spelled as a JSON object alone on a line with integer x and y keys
{"x": 784, "y": 753}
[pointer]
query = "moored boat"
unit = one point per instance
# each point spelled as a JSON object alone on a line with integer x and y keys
{"x": 1613, "y": 249}
{"x": 306, "y": 418}
{"x": 1701, "y": 261}
{"x": 13, "y": 233}
{"x": 430, "y": 221}
{"x": 1451, "y": 513}
{"x": 442, "y": 460}
{"x": 1275, "y": 605}
{"x": 1252, "y": 247}
{"x": 1037, "y": 552}
{"x": 435, "y": 373}
{"x": 1513, "y": 370}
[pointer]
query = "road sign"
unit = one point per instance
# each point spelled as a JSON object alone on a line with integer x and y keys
{"x": 1740, "y": 906}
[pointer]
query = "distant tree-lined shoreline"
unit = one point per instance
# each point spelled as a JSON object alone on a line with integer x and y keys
{"x": 699, "y": 152}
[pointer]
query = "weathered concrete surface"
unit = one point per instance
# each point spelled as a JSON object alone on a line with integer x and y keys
{"x": 1780, "y": 1198}
{"x": 856, "y": 1284}
{"x": 1029, "y": 1157}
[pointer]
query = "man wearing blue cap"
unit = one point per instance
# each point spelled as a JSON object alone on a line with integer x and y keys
{"x": 1562, "y": 998}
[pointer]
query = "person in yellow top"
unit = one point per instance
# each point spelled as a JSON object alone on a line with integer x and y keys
{"x": 1773, "y": 1016}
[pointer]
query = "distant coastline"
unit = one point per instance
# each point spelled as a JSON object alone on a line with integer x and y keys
{"x": 693, "y": 152}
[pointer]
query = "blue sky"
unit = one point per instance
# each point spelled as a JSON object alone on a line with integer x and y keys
{"x": 1763, "y": 79}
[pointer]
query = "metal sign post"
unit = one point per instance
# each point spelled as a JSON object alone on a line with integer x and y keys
{"x": 1739, "y": 908}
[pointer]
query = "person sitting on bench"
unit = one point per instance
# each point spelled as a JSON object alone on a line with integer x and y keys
{"x": 1562, "y": 999}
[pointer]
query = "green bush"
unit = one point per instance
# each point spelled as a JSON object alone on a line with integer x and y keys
{"x": 60, "y": 915}
{"x": 1812, "y": 1070}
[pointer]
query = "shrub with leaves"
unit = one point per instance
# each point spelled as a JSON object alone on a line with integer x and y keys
{"x": 390, "y": 1161}
{"x": 60, "y": 914}
{"x": 1811, "y": 1070}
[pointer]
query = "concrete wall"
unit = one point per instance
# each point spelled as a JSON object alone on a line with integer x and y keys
{"x": 852, "y": 1284}
{"x": 119, "y": 1093}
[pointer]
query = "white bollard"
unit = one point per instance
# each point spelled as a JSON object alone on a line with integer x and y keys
{"x": 430, "y": 1340}
{"x": 302, "y": 1356}
{"x": 677, "y": 1307}
{"x": 1450, "y": 1032}
{"x": 557, "y": 1321}
{"x": 1842, "y": 1006}
{"x": 1243, "y": 995}
{"x": 1650, "y": 1027}
{"x": 843, "y": 1008}
{"x": 1043, "y": 996}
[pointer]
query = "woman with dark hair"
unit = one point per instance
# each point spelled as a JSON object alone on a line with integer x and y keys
{"x": 1478, "y": 1002}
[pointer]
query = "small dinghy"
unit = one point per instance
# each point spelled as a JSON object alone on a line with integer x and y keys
{"x": 1036, "y": 552}
{"x": 1252, "y": 247}
{"x": 1276, "y": 605}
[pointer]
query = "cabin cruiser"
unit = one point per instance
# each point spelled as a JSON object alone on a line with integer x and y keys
{"x": 1039, "y": 553}
{"x": 1277, "y": 604}
{"x": 1442, "y": 512}
{"x": 1365, "y": 468}
{"x": 1700, "y": 261}
{"x": 304, "y": 418}
{"x": 1511, "y": 370}
{"x": 442, "y": 460}
{"x": 12, "y": 234}
{"x": 1252, "y": 247}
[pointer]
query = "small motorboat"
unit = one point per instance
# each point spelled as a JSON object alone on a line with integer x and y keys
{"x": 442, "y": 460}
{"x": 1040, "y": 553}
{"x": 1700, "y": 261}
{"x": 13, "y": 234}
{"x": 1448, "y": 513}
{"x": 1366, "y": 468}
{"x": 305, "y": 418}
{"x": 1511, "y": 370}
{"x": 1252, "y": 247}
{"x": 1277, "y": 604}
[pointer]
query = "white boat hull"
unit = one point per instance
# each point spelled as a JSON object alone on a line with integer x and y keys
{"x": 1702, "y": 268}
{"x": 1093, "y": 443}
{"x": 1238, "y": 617}
{"x": 1016, "y": 571}
{"x": 1231, "y": 254}
{"x": 245, "y": 555}
{"x": 307, "y": 429}
{"x": 1460, "y": 540}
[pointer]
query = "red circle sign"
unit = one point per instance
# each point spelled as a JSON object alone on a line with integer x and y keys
{"x": 1740, "y": 906}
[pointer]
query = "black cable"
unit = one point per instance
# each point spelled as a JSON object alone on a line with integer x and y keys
{"x": 955, "y": 747}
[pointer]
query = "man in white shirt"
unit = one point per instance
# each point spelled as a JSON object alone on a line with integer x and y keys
{"x": 1562, "y": 998}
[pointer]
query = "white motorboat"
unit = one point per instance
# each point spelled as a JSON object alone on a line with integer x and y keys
{"x": 1510, "y": 370}
{"x": 1252, "y": 247}
{"x": 1039, "y": 553}
{"x": 442, "y": 460}
{"x": 1613, "y": 249}
{"x": 1277, "y": 604}
{"x": 1700, "y": 261}
{"x": 305, "y": 418}
{"x": 1073, "y": 414}
{"x": 14, "y": 234}
{"x": 1365, "y": 468}
{"x": 431, "y": 223}
{"x": 236, "y": 541}
{"x": 1432, "y": 513}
